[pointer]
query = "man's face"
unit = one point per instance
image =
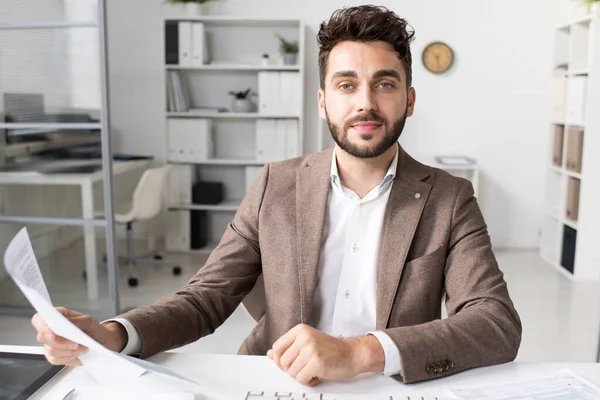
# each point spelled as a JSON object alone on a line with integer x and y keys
{"x": 365, "y": 101}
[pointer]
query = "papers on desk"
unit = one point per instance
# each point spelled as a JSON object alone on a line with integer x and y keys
{"x": 563, "y": 385}
{"x": 103, "y": 364}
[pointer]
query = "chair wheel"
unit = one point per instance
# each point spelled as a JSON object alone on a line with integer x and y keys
{"x": 177, "y": 270}
{"x": 132, "y": 282}
{"x": 158, "y": 257}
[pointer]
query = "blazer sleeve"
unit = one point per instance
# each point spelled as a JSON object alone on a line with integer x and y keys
{"x": 483, "y": 327}
{"x": 211, "y": 295}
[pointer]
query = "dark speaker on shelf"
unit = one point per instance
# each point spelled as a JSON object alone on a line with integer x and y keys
{"x": 207, "y": 193}
{"x": 568, "y": 251}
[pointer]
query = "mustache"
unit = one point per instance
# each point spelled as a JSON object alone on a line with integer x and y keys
{"x": 366, "y": 117}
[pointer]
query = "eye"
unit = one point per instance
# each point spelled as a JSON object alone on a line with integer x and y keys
{"x": 345, "y": 87}
{"x": 386, "y": 85}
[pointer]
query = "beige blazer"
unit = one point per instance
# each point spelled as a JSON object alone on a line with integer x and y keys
{"x": 434, "y": 243}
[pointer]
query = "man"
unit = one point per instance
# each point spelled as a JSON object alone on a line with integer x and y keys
{"x": 358, "y": 245}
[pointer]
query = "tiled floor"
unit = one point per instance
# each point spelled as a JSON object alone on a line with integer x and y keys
{"x": 561, "y": 318}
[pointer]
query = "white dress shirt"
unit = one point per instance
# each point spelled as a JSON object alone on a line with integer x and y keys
{"x": 345, "y": 301}
{"x": 346, "y": 296}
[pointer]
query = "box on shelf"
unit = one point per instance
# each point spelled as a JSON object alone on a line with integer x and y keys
{"x": 190, "y": 139}
{"x": 557, "y": 154}
{"x": 575, "y": 149}
{"x": 573, "y": 189}
{"x": 276, "y": 140}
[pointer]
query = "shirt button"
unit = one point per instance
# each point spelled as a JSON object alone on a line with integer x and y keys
{"x": 354, "y": 248}
{"x": 360, "y": 205}
{"x": 347, "y": 294}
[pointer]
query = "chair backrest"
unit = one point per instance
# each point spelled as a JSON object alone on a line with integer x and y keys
{"x": 149, "y": 194}
{"x": 254, "y": 302}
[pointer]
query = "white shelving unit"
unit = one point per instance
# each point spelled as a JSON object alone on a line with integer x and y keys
{"x": 234, "y": 63}
{"x": 570, "y": 244}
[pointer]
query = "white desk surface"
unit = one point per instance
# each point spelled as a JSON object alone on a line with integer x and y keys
{"x": 37, "y": 178}
{"x": 240, "y": 374}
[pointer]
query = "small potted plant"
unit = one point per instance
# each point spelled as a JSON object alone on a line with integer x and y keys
{"x": 242, "y": 101}
{"x": 191, "y": 7}
{"x": 289, "y": 50}
{"x": 593, "y": 6}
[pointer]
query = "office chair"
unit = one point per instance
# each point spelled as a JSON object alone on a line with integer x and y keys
{"x": 148, "y": 202}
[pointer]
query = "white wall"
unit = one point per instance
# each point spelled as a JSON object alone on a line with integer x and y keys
{"x": 493, "y": 105}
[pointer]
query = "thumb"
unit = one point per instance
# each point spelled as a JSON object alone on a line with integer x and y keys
{"x": 68, "y": 313}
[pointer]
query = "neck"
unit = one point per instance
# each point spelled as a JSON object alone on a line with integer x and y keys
{"x": 361, "y": 175}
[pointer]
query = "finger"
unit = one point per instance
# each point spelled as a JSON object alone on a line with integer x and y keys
{"x": 307, "y": 376}
{"x": 282, "y": 344}
{"x": 67, "y": 312}
{"x": 300, "y": 363}
{"x": 57, "y": 342}
{"x": 71, "y": 362}
{"x": 290, "y": 355}
{"x": 39, "y": 324}
{"x": 270, "y": 354}
{"x": 83, "y": 322}
{"x": 60, "y": 353}
{"x": 54, "y": 360}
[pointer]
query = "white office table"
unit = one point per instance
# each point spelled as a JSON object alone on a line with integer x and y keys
{"x": 86, "y": 182}
{"x": 240, "y": 374}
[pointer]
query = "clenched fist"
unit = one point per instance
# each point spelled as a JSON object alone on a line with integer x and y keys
{"x": 309, "y": 355}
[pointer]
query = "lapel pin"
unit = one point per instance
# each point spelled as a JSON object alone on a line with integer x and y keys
{"x": 417, "y": 196}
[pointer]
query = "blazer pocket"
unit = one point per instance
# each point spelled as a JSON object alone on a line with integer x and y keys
{"x": 428, "y": 262}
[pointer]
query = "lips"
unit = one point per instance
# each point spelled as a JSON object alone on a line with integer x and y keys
{"x": 366, "y": 126}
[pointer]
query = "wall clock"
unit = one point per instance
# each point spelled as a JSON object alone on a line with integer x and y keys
{"x": 438, "y": 57}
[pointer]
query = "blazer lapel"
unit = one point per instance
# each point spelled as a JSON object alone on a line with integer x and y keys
{"x": 403, "y": 212}
{"x": 313, "y": 182}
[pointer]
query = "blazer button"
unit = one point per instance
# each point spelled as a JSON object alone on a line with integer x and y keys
{"x": 438, "y": 368}
{"x": 429, "y": 369}
{"x": 450, "y": 364}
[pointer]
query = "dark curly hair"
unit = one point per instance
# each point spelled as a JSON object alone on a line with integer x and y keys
{"x": 365, "y": 23}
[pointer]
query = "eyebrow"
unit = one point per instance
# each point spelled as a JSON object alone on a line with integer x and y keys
{"x": 383, "y": 73}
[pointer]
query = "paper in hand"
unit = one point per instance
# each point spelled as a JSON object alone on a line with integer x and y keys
{"x": 106, "y": 366}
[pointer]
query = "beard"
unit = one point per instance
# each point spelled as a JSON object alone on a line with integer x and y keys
{"x": 390, "y": 137}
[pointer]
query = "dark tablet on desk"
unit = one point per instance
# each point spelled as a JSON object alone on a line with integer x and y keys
{"x": 21, "y": 375}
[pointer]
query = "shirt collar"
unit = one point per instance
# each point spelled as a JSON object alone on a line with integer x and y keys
{"x": 390, "y": 174}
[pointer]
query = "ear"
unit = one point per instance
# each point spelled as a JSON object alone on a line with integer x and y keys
{"x": 412, "y": 98}
{"x": 321, "y": 102}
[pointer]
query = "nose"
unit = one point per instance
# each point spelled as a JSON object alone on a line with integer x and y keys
{"x": 365, "y": 101}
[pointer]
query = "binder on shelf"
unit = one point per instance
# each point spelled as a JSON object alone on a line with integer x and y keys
{"x": 178, "y": 228}
{"x": 199, "y": 48}
{"x": 575, "y": 149}
{"x": 290, "y": 93}
{"x": 185, "y": 43}
{"x": 268, "y": 92}
{"x": 573, "y": 188}
{"x": 568, "y": 248}
{"x": 290, "y": 129}
{"x": 252, "y": 174}
{"x": 557, "y": 153}
{"x": 180, "y": 185}
{"x": 559, "y": 98}
{"x": 576, "y": 99}
{"x": 176, "y": 95}
{"x": 190, "y": 139}
{"x": 171, "y": 43}
{"x": 270, "y": 143}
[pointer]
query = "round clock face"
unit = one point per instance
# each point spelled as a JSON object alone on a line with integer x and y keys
{"x": 438, "y": 57}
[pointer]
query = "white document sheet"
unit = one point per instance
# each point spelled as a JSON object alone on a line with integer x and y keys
{"x": 120, "y": 393}
{"x": 563, "y": 385}
{"x": 106, "y": 366}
